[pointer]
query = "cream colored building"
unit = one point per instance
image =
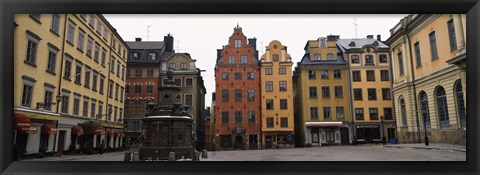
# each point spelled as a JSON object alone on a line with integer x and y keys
{"x": 69, "y": 71}
{"x": 429, "y": 77}
{"x": 277, "y": 97}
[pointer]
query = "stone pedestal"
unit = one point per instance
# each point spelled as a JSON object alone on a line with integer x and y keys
{"x": 204, "y": 154}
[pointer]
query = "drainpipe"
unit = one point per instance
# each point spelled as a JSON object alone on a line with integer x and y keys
{"x": 351, "y": 100}
{"x": 413, "y": 84}
{"x": 394, "y": 113}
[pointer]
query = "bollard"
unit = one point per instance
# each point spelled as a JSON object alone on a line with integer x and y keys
{"x": 171, "y": 156}
{"x": 135, "y": 156}
{"x": 204, "y": 154}
{"x": 196, "y": 156}
{"x": 128, "y": 156}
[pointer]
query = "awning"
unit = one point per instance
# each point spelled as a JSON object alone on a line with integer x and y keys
{"x": 77, "y": 130}
{"x": 92, "y": 128}
{"x": 117, "y": 134}
{"x": 110, "y": 133}
{"x": 322, "y": 124}
{"x": 49, "y": 129}
{"x": 21, "y": 122}
{"x": 31, "y": 130}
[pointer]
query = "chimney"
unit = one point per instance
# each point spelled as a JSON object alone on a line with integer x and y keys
{"x": 370, "y": 36}
{"x": 379, "y": 38}
{"x": 333, "y": 37}
{"x": 168, "y": 43}
{"x": 138, "y": 39}
{"x": 219, "y": 54}
{"x": 252, "y": 42}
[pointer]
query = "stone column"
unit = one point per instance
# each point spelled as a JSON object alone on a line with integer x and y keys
{"x": 459, "y": 35}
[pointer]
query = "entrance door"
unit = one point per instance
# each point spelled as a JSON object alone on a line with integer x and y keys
{"x": 61, "y": 142}
{"x": 368, "y": 136}
{"x": 268, "y": 142}
{"x": 344, "y": 136}
{"x": 330, "y": 135}
{"x": 390, "y": 133}
{"x": 252, "y": 140}
{"x": 238, "y": 142}
{"x": 315, "y": 136}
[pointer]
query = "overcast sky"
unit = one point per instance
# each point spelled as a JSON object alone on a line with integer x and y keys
{"x": 202, "y": 35}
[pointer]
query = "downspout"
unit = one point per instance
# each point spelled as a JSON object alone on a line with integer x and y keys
{"x": 108, "y": 85}
{"x": 413, "y": 84}
{"x": 351, "y": 100}
{"x": 391, "y": 87}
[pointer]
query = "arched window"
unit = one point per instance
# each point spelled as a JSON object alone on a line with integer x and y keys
{"x": 404, "y": 112}
{"x": 460, "y": 104}
{"x": 424, "y": 109}
{"x": 442, "y": 107}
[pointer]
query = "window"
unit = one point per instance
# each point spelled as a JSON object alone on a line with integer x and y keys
{"x": 225, "y": 76}
{"x": 386, "y": 94}
{"x": 329, "y": 56}
{"x": 283, "y": 104}
{"x": 178, "y": 82}
{"x": 114, "y": 44}
{"x": 138, "y": 72}
{"x": 123, "y": 72}
{"x": 128, "y": 72}
{"x": 269, "y": 86}
{"x": 238, "y": 95}
{"x": 251, "y": 75}
{"x": 238, "y": 75}
{"x": 224, "y": 116}
{"x": 400, "y": 63}
{"x": 71, "y": 32}
{"x": 442, "y": 107}
{"x": 269, "y": 103}
{"x": 102, "y": 81}
{"x": 183, "y": 66}
{"x": 244, "y": 59}
{"x": 268, "y": 71}
{"x": 251, "y": 116}
{"x": 115, "y": 113}
{"x": 105, "y": 33}
{"x": 134, "y": 56}
{"x": 337, "y": 74}
{"x": 368, "y": 59}
{"x": 149, "y": 73}
{"x": 275, "y": 57}
{"x": 460, "y": 104}
{"x": 325, "y": 92}
{"x": 418, "y": 58}
{"x": 340, "y": 113}
{"x": 118, "y": 69}
{"x": 370, "y": 75}
{"x": 238, "y": 43}
{"x": 87, "y": 77}
{"x": 316, "y": 57}
{"x": 85, "y": 106}
{"x": 65, "y": 100}
{"x": 127, "y": 89}
{"x": 36, "y": 17}
{"x": 152, "y": 56}
{"x": 282, "y": 71}
{"x": 138, "y": 89}
{"x": 312, "y": 91}
{"x": 314, "y": 113}
{"x": 89, "y": 46}
{"x": 372, "y": 94}
{"x": 384, "y": 76}
{"x": 387, "y": 113}
{"x": 231, "y": 60}
{"x": 451, "y": 35}
{"x": 171, "y": 66}
{"x": 324, "y": 74}
{"x": 76, "y": 105}
{"x": 31, "y": 56}
{"x": 269, "y": 122}
{"x": 284, "y": 122}
{"x": 338, "y": 92}
{"x": 358, "y": 113}
{"x": 283, "y": 85}
{"x": 47, "y": 100}
{"x": 120, "y": 115}
{"x": 424, "y": 108}
{"x": 357, "y": 94}
{"x": 189, "y": 82}
{"x": 96, "y": 53}
{"x": 55, "y": 26}
{"x": 52, "y": 60}
{"x": 238, "y": 117}
{"x": 225, "y": 95}
{"x": 104, "y": 54}
{"x": 100, "y": 110}
{"x": 373, "y": 113}
{"x": 311, "y": 74}
{"x": 355, "y": 59}
{"x": 27, "y": 92}
{"x": 189, "y": 100}
{"x": 78, "y": 73}
{"x": 433, "y": 45}
{"x": 149, "y": 89}
{"x": 383, "y": 58}
{"x": 326, "y": 113}
{"x": 251, "y": 94}
{"x": 99, "y": 28}
{"x": 116, "y": 91}
{"x": 356, "y": 76}
{"x": 92, "y": 21}
{"x": 404, "y": 112}
{"x": 92, "y": 110}
{"x": 110, "y": 89}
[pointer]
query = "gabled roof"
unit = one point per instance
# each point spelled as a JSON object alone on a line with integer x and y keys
{"x": 306, "y": 61}
{"x": 145, "y": 44}
{"x": 359, "y": 43}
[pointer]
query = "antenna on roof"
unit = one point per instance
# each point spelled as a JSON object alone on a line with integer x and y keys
{"x": 148, "y": 32}
{"x": 356, "y": 25}
{"x": 178, "y": 44}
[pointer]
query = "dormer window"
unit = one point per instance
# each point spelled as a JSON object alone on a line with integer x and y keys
{"x": 134, "y": 56}
{"x": 316, "y": 57}
{"x": 375, "y": 43}
{"x": 238, "y": 43}
{"x": 183, "y": 66}
{"x": 352, "y": 44}
{"x": 323, "y": 42}
{"x": 152, "y": 56}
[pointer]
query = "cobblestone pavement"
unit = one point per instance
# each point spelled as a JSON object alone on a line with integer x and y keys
{"x": 369, "y": 152}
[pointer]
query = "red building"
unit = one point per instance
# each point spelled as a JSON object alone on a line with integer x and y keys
{"x": 237, "y": 76}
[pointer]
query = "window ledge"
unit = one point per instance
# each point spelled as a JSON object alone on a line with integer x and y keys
{"x": 51, "y": 72}
{"x": 29, "y": 63}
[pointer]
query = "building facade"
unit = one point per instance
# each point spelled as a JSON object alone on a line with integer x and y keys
{"x": 143, "y": 72}
{"x": 70, "y": 76}
{"x": 370, "y": 86}
{"x": 429, "y": 77}
{"x": 277, "y": 97}
{"x": 192, "y": 89}
{"x": 237, "y": 75}
{"x": 322, "y": 98}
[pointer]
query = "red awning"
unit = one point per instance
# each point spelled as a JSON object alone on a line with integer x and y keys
{"x": 93, "y": 128}
{"x": 21, "y": 122}
{"x": 117, "y": 134}
{"x": 77, "y": 130}
{"x": 110, "y": 133}
{"x": 31, "y": 130}
{"x": 49, "y": 129}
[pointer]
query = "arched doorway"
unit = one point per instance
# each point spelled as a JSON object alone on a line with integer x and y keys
{"x": 238, "y": 142}
{"x": 460, "y": 104}
{"x": 442, "y": 107}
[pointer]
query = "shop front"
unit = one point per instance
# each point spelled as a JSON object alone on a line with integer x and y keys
{"x": 114, "y": 136}
{"x": 92, "y": 138}
{"x": 368, "y": 133}
{"x": 327, "y": 133}
{"x": 276, "y": 140}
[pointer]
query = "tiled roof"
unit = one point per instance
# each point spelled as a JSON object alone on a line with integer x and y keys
{"x": 145, "y": 44}
{"x": 306, "y": 61}
{"x": 359, "y": 43}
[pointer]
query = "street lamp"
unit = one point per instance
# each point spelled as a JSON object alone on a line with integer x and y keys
{"x": 425, "y": 129}
{"x": 383, "y": 130}
{"x": 59, "y": 99}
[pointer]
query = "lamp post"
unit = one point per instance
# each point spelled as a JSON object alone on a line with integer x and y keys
{"x": 383, "y": 130}
{"x": 59, "y": 99}
{"x": 425, "y": 129}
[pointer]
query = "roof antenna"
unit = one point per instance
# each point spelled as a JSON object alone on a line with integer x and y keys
{"x": 148, "y": 32}
{"x": 178, "y": 44}
{"x": 356, "y": 25}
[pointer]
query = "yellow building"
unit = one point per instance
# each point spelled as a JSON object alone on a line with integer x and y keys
{"x": 69, "y": 71}
{"x": 369, "y": 70}
{"x": 277, "y": 97}
{"x": 322, "y": 100}
{"x": 429, "y": 77}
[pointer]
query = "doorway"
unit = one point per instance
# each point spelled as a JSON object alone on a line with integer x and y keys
{"x": 238, "y": 142}
{"x": 330, "y": 135}
{"x": 61, "y": 142}
{"x": 368, "y": 137}
{"x": 344, "y": 136}
{"x": 268, "y": 142}
{"x": 315, "y": 136}
{"x": 252, "y": 140}
{"x": 390, "y": 133}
